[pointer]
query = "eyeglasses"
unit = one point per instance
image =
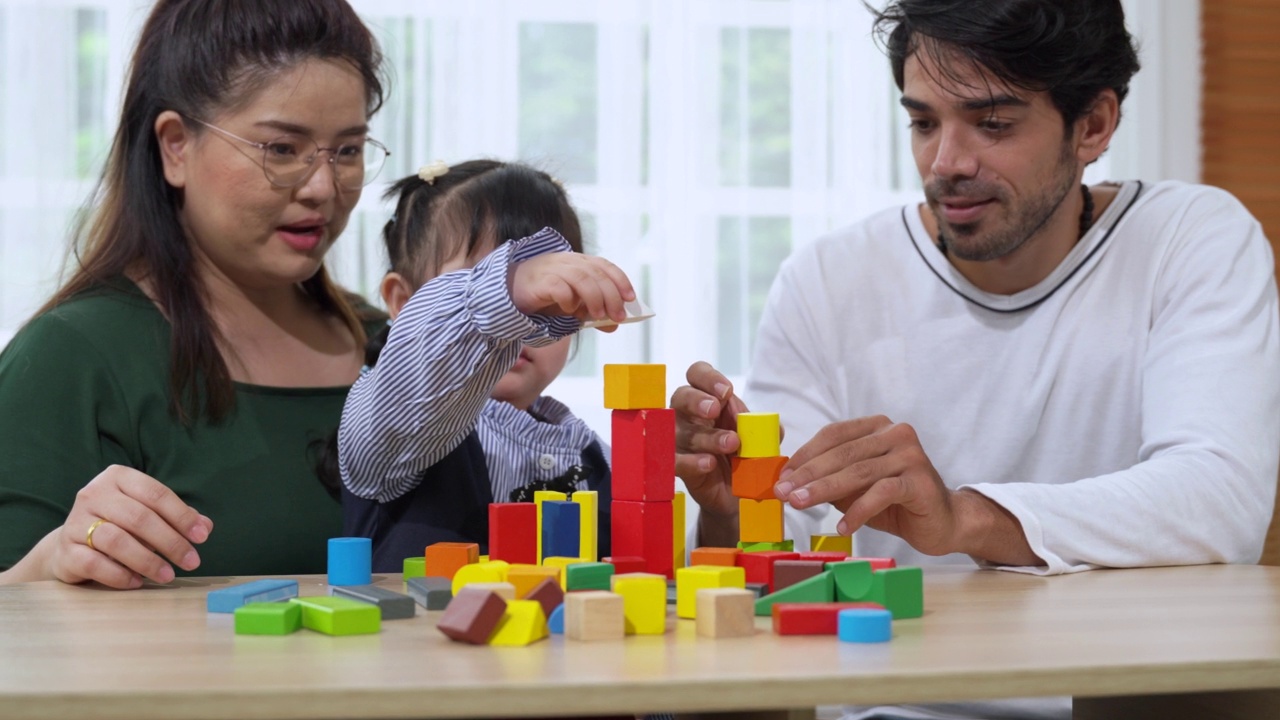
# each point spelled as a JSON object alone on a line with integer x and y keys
{"x": 289, "y": 160}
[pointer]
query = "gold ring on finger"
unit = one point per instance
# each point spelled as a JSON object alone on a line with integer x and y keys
{"x": 88, "y": 538}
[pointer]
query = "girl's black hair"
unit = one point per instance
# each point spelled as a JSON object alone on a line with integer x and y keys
{"x": 475, "y": 205}
{"x": 1073, "y": 49}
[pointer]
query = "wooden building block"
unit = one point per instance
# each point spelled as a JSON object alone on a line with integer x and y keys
{"x": 760, "y": 433}
{"x": 560, "y": 564}
{"x": 812, "y": 618}
{"x": 504, "y": 590}
{"x": 727, "y": 557}
{"x": 527, "y": 577}
{"x": 511, "y": 532}
{"x": 587, "y": 576}
{"x": 690, "y": 580}
{"x": 787, "y": 545}
{"x": 494, "y": 571}
{"x": 754, "y": 477}
{"x": 539, "y": 497}
{"x": 899, "y": 590}
{"x": 644, "y": 602}
{"x": 443, "y": 559}
{"x": 548, "y": 594}
{"x": 865, "y": 625}
{"x": 824, "y": 556}
{"x": 589, "y": 540}
{"x": 789, "y": 572}
{"x": 819, "y": 588}
{"x": 644, "y": 455}
{"x": 350, "y": 561}
{"x": 561, "y": 528}
{"x": 392, "y": 605}
{"x": 415, "y": 567}
{"x": 759, "y": 565}
{"x": 268, "y": 618}
{"x": 472, "y": 616}
{"x": 760, "y": 520}
{"x": 879, "y": 563}
{"x": 522, "y": 623}
{"x": 725, "y": 612}
{"x": 432, "y": 593}
{"x": 853, "y": 580}
{"x": 635, "y": 386}
{"x": 622, "y": 565}
{"x": 677, "y": 531}
{"x": 339, "y": 615}
{"x": 555, "y": 622}
{"x": 644, "y": 529}
{"x": 227, "y": 599}
{"x": 833, "y": 543}
{"x": 760, "y": 589}
{"x": 594, "y": 615}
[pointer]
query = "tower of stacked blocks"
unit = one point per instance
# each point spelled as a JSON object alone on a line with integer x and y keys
{"x": 755, "y": 470}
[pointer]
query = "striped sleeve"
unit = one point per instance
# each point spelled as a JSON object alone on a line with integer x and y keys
{"x": 452, "y": 342}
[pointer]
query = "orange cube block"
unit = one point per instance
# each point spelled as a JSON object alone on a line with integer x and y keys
{"x": 444, "y": 559}
{"x": 754, "y": 478}
{"x": 727, "y": 557}
{"x": 760, "y": 520}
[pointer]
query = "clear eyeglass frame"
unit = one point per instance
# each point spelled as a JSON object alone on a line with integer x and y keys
{"x": 289, "y": 160}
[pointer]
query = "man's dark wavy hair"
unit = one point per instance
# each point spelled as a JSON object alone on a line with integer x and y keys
{"x": 1073, "y": 49}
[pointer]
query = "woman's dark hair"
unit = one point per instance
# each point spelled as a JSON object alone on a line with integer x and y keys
{"x": 1073, "y": 49}
{"x": 475, "y": 205}
{"x": 196, "y": 57}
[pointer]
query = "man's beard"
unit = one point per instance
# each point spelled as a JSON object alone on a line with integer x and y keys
{"x": 964, "y": 242}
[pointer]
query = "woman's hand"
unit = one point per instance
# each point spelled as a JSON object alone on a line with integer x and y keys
{"x": 122, "y": 528}
{"x": 569, "y": 283}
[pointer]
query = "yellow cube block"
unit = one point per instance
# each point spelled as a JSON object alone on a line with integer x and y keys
{"x": 589, "y": 531}
{"x": 522, "y": 623}
{"x": 760, "y": 520}
{"x": 635, "y": 387}
{"x": 644, "y": 602}
{"x": 494, "y": 571}
{"x": 690, "y": 580}
{"x": 538, "y": 497}
{"x": 526, "y": 577}
{"x": 760, "y": 434}
{"x": 831, "y": 543}
{"x": 677, "y": 531}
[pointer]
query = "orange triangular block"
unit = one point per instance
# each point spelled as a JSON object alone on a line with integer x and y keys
{"x": 523, "y": 623}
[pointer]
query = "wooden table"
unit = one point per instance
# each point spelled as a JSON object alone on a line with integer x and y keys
{"x": 77, "y": 652}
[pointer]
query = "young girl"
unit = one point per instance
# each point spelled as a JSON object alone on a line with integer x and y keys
{"x": 487, "y": 284}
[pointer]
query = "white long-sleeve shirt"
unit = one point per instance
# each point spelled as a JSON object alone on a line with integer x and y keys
{"x": 1126, "y": 410}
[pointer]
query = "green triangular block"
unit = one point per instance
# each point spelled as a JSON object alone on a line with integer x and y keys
{"x": 853, "y": 580}
{"x": 588, "y": 576}
{"x": 787, "y": 545}
{"x": 819, "y": 588}
{"x": 899, "y": 590}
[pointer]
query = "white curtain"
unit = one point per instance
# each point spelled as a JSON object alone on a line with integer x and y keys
{"x": 701, "y": 140}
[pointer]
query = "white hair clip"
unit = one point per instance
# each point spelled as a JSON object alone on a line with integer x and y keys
{"x": 431, "y": 171}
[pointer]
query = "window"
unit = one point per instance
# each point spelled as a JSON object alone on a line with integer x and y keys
{"x": 702, "y": 141}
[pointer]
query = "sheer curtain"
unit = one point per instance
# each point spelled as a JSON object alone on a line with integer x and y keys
{"x": 701, "y": 140}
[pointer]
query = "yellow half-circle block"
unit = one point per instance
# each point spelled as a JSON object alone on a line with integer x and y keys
{"x": 494, "y": 571}
{"x": 522, "y": 623}
{"x": 760, "y": 434}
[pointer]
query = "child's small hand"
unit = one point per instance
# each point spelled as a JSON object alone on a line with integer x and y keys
{"x": 569, "y": 283}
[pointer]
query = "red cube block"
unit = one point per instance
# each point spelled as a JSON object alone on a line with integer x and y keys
{"x": 812, "y": 618}
{"x": 623, "y": 565}
{"x": 513, "y": 532}
{"x": 759, "y": 565}
{"x": 644, "y": 455}
{"x": 643, "y": 529}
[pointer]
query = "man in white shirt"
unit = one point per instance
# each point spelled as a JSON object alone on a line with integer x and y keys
{"x": 1022, "y": 370}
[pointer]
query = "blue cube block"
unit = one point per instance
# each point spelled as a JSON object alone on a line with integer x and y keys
{"x": 226, "y": 600}
{"x": 561, "y": 528}
{"x": 555, "y": 623}
{"x": 867, "y": 625}
{"x": 350, "y": 561}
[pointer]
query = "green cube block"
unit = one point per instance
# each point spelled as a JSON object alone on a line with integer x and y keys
{"x": 415, "y": 567}
{"x": 787, "y": 545}
{"x": 339, "y": 615}
{"x": 899, "y": 590}
{"x": 853, "y": 579}
{"x": 588, "y": 576}
{"x": 268, "y": 618}
{"x": 819, "y": 588}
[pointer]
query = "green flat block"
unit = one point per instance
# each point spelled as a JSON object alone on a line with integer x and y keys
{"x": 784, "y": 546}
{"x": 853, "y": 580}
{"x": 415, "y": 567}
{"x": 899, "y": 590}
{"x": 339, "y": 615}
{"x": 588, "y": 576}
{"x": 268, "y": 618}
{"x": 819, "y": 588}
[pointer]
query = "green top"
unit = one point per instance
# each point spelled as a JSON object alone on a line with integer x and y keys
{"x": 85, "y": 386}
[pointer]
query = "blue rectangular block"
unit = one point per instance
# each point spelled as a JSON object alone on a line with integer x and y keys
{"x": 226, "y": 600}
{"x": 561, "y": 528}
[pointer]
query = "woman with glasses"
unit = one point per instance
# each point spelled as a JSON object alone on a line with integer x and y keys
{"x": 164, "y": 409}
